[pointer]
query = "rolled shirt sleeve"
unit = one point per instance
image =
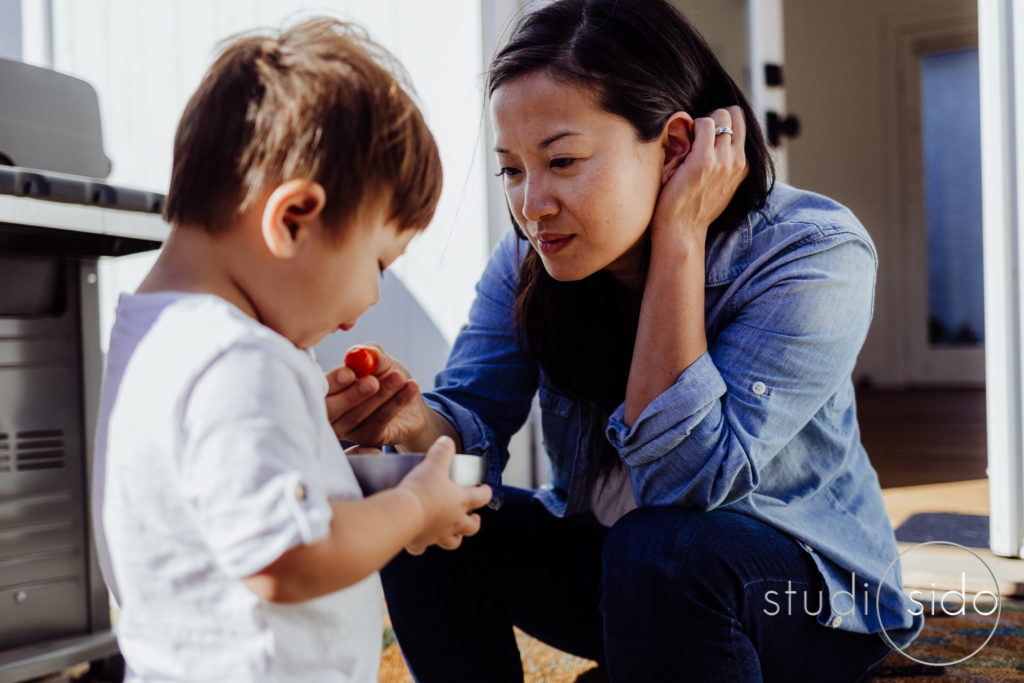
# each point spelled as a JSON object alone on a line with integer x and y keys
{"x": 799, "y": 322}
{"x": 248, "y": 466}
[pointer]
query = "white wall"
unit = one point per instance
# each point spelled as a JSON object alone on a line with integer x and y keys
{"x": 833, "y": 71}
{"x": 145, "y": 58}
{"x": 839, "y": 78}
{"x": 10, "y": 29}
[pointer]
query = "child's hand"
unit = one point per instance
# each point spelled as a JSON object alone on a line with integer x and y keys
{"x": 447, "y": 508}
{"x": 385, "y": 407}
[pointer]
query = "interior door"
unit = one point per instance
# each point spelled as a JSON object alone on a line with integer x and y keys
{"x": 938, "y": 192}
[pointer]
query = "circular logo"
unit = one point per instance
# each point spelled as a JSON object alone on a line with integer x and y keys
{"x": 929, "y": 607}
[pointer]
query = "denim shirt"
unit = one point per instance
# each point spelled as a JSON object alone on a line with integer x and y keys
{"x": 763, "y": 423}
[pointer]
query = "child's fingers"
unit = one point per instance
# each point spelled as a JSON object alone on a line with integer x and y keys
{"x": 450, "y": 542}
{"x": 441, "y": 452}
{"x": 468, "y": 525}
{"x": 478, "y": 496}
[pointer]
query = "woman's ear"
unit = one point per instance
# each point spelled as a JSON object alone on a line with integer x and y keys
{"x": 676, "y": 140}
{"x": 292, "y": 208}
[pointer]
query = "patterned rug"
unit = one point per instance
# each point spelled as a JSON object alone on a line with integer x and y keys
{"x": 943, "y": 639}
{"x": 946, "y": 639}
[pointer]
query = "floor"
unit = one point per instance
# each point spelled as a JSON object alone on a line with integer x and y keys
{"x": 929, "y": 449}
{"x": 924, "y": 436}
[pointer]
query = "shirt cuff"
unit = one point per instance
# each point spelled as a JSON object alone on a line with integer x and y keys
{"x": 670, "y": 417}
{"x": 477, "y": 439}
{"x": 293, "y": 511}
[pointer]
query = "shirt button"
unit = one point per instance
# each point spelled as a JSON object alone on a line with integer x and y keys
{"x": 759, "y": 388}
{"x": 300, "y": 492}
{"x": 837, "y": 621}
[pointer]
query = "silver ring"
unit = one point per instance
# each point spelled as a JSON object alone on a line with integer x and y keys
{"x": 723, "y": 130}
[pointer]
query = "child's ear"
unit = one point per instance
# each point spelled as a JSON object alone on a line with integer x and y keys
{"x": 676, "y": 140}
{"x": 292, "y": 208}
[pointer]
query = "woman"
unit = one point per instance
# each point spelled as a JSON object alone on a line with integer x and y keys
{"x": 690, "y": 330}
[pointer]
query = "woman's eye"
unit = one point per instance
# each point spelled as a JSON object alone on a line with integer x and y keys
{"x": 380, "y": 267}
{"x": 507, "y": 171}
{"x": 562, "y": 162}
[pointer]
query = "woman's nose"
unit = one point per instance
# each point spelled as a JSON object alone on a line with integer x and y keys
{"x": 538, "y": 202}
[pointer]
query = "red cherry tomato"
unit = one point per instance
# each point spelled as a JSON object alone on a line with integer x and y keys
{"x": 362, "y": 361}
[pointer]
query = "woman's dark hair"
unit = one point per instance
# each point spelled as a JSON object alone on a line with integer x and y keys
{"x": 644, "y": 62}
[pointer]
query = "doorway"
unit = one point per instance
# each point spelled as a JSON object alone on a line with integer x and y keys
{"x": 937, "y": 187}
{"x": 882, "y": 88}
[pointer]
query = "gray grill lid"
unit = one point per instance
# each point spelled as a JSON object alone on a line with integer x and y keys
{"x": 50, "y": 121}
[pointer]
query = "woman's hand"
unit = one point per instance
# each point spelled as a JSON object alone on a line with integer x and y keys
{"x": 380, "y": 409}
{"x": 699, "y": 185}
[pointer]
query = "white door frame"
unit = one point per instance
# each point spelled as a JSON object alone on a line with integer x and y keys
{"x": 1001, "y": 62}
{"x": 766, "y": 45}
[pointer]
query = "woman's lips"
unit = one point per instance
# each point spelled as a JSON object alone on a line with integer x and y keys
{"x": 345, "y": 327}
{"x": 551, "y": 245}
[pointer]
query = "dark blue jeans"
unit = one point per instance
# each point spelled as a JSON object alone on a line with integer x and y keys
{"x": 666, "y": 594}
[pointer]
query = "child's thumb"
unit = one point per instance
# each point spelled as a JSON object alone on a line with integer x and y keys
{"x": 442, "y": 452}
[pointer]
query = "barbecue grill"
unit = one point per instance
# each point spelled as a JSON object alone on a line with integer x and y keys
{"x": 58, "y": 217}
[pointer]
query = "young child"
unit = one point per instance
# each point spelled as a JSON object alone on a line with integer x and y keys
{"x": 234, "y": 535}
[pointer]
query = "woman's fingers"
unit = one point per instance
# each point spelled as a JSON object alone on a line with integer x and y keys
{"x": 731, "y": 146}
{"x": 361, "y": 399}
{"x": 342, "y": 400}
{"x": 725, "y": 150}
{"x": 703, "y": 137}
{"x": 369, "y": 422}
{"x": 739, "y": 128}
{"x": 339, "y": 378}
{"x": 702, "y": 186}
{"x": 363, "y": 450}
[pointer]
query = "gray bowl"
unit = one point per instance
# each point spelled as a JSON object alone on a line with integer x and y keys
{"x": 378, "y": 472}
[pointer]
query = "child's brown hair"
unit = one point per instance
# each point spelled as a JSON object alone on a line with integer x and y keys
{"x": 318, "y": 101}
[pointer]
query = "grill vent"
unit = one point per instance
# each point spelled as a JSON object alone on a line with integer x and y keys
{"x": 5, "y": 453}
{"x": 40, "y": 450}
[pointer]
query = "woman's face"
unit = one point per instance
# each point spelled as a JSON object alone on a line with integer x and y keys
{"x": 579, "y": 183}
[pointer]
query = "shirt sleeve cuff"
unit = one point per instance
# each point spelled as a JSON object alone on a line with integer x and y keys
{"x": 670, "y": 417}
{"x": 294, "y": 512}
{"x": 477, "y": 439}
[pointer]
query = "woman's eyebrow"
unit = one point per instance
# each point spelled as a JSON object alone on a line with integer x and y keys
{"x": 545, "y": 142}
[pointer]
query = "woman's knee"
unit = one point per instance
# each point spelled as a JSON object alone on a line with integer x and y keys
{"x": 676, "y": 543}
